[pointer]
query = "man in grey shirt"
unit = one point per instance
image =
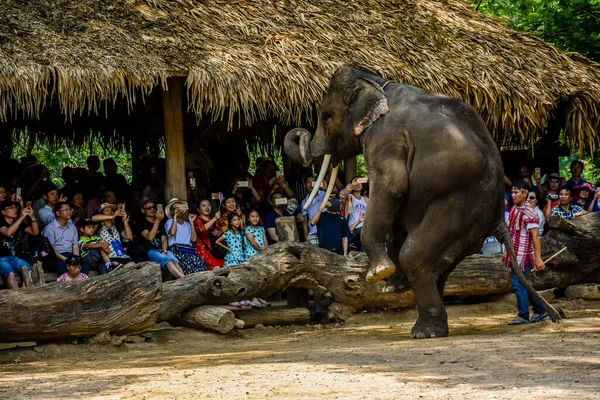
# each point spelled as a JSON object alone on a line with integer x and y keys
{"x": 62, "y": 234}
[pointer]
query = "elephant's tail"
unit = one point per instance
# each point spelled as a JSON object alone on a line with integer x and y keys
{"x": 501, "y": 233}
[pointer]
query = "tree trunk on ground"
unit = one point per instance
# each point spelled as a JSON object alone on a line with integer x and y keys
{"x": 208, "y": 317}
{"x": 273, "y": 316}
{"x": 122, "y": 302}
{"x": 286, "y": 231}
{"x": 343, "y": 278}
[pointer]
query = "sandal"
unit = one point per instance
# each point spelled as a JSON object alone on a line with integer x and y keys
{"x": 538, "y": 318}
{"x": 255, "y": 303}
{"x": 519, "y": 321}
{"x": 264, "y": 302}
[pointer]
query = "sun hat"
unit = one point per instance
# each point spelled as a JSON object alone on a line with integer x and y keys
{"x": 585, "y": 185}
{"x": 171, "y": 203}
{"x": 107, "y": 205}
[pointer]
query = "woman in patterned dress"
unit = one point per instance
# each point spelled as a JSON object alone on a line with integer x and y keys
{"x": 205, "y": 227}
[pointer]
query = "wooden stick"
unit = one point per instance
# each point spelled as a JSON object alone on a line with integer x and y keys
{"x": 552, "y": 257}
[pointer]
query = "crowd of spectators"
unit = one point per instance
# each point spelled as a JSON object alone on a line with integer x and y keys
{"x": 100, "y": 222}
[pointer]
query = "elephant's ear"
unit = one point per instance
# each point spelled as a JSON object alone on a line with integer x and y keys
{"x": 367, "y": 103}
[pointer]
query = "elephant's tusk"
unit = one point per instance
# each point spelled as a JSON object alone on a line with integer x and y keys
{"x": 324, "y": 166}
{"x": 332, "y": 178}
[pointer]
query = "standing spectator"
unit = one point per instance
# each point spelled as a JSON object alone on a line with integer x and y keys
{"x": 332, "y": 228}
{"x": 576, "y": 179}
{"x": 115, "y": 181}
{"x": 62, "y": 234}
{"x": 205, "y": 228}
{"x": 73, "y": 270}
{"x": 256, "y": 237}
{"x": 154, "y": 239}
{"x": 532, "y": 200}
{"x": 565, "y": 207}
{"x": 109, "y": 232}
{"x": 12, "y": 231}
{"x": 356, "y": 204}
{"x": 247, "y": 197}
{"x": 310, "y": 230}
{"x": 551, "y": 187}
{"x": 79, "y": 211}
{"x": 181, "y": 235}
{"x": 3, "y": 194}
{"x": 233, "y": 241}
{"x": 524, "y": 231}
{"x": 94, "y": 251}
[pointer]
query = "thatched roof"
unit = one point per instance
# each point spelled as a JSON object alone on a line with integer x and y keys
{"x": 250, "y": 60}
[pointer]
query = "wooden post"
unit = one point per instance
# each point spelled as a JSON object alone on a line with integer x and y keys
{"x": 174, "y": 151}
{"x": 297, "y": 297}
{"x": 350, "y": 169}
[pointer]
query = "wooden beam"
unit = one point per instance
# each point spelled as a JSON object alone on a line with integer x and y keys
{"x": 350, "y": 169}
{"x": 174, "y": 151}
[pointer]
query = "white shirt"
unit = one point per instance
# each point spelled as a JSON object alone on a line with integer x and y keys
{"x": 359, "y": 206}
{"x": 183, "y": 234}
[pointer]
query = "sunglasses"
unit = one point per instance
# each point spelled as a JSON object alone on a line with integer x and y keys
{"x": 531, "y": 198}
{"x": 150, "y": 208}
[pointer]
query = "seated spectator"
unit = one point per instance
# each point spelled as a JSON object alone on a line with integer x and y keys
{"x": 595, "y": 203}
{"x": 4, "y": 195}
{"x": 228, "y": 206}
{"x": 94, "y": 251}
{"x": 551, "y": 187}
{"x": 12, "y": 231}
{"x": 95, "y": 201}
{"x": 206, "y": 227}
{"x": 356, "y": 206}
{"x": 310, "y": 231}
{"x": 576, "y": 180}
{"x": 154, "y": 239}
{"x": 332, "y": 228}
{"x": 110, "y": 233}
{"x": 565, "y": 208}
{"x": 73, "y": 270}
{"x": 532, "y": 201}
{"x": 279, "y": 208}
{"x": 50, "y": 198}
{"x": 181, "y": 235}
{"x": 79, "y": 211}
{"x": 62, "y": 235}
{"x": 585, "y": 194}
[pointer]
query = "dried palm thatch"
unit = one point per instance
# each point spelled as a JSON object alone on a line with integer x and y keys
{"x": 250, "y": 60}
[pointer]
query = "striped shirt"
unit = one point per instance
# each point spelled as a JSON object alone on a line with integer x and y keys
{"x": 521, "y": 219}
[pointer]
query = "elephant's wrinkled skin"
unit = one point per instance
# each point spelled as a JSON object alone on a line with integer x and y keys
{"x": 435, "y": 176}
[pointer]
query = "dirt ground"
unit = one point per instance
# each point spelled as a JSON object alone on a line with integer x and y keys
{"x": 369, "y": 357}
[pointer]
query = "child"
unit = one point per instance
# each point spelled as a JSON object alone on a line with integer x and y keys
{"x": 256, "y": 237}
{"x": 94, "y": 251}
{"x": 73, "y": 264}
{"x": 234, "y": 241}
{"x": 255, "y": 241}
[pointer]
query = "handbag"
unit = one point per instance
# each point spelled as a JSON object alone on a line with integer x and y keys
{"x": 216, "y": 251}
{"x": 183, "y": 248}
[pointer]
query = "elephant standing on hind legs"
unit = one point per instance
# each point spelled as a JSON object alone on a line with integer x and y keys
{"x": 427, "y": 156}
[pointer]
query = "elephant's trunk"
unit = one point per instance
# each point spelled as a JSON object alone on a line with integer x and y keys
{"x": 297, "y": 145}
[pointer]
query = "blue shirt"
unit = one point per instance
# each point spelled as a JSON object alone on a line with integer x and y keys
{"x": 235, "y": 242}
{"x": 259, "y": 238}
{"x": 312, "y": 210}
{"x": 331, "y": 229}
{"x": 62, "y": 239}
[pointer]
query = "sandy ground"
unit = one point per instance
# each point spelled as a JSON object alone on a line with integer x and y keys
{"x": 369, "y": 357}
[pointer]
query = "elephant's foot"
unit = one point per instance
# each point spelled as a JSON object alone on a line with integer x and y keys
{"x": 380, "y": 271}
{"x": 430, "y": 328}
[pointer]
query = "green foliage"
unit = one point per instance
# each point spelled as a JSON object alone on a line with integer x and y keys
{"x": 572, "y": 25}
{"x": 257, "y": 149}
{"x": 57, "y": 157}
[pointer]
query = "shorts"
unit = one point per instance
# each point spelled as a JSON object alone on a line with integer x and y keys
{"x": 156, "y": 256}
{"x": 12, "y": 264}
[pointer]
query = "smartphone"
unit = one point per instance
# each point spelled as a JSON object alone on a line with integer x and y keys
{"x": 121, "y": 207}
{"x": 159, "y": 208}
{"x": 362, "y": 180}
{"x": 18, "y": 193}
{"x": 242, "y": 183}
{"x": 277, "y": 174}
{"x": 280, "y": 201}
{"x": 193, "y": 183}
{"x": 29, "y": 204}
{"x": 537, "y": 172}
{"x": 313, "y": 184}
{"x": 215, "y": 196}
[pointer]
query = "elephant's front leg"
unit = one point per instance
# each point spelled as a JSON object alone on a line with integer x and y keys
{"x": 384, "y": 202}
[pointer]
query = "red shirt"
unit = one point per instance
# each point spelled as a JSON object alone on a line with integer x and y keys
{"x": 520, "y": 220}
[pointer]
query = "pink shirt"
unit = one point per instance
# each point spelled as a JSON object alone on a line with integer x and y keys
{"x": 65, "y": 277}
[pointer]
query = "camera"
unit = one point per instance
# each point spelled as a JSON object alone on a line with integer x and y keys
{"x": 552, "y": 196}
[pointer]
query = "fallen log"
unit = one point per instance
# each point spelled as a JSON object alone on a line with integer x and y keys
{"x": 123, "y": 302}
{"x": 273, "y": 316}
{"x": 343, "y": 278}
{"x": 208, "y": 317}
{"x": 286, "y": 231}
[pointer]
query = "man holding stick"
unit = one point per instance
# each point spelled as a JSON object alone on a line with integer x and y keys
{"x": 524, "y": 226}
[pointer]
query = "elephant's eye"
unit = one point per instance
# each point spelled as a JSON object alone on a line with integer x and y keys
{"x": 325, "y": 118}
